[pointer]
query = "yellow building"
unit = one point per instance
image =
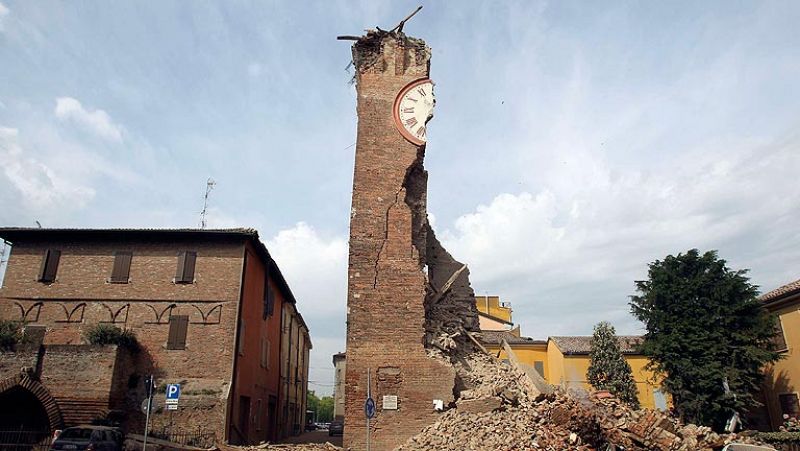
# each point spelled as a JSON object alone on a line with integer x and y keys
{"x": 782, "y": 382}
{"x": 561, "y": 361}
{"x": 493, "y": 314}
{"x": 568, "y": 362}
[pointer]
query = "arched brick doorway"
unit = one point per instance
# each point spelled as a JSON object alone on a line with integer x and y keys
{"x": 26, "y": 404}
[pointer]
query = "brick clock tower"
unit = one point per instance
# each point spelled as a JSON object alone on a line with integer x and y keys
{"x": 389, "y": 235}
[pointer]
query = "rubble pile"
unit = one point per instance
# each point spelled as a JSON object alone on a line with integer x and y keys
{"x": 498, "y": 415}
{"x": 276, "y": 447}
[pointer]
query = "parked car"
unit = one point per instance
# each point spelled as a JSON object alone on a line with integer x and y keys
{"x": 336, "y": 428}
{"x": 89, "y": 438}
{"x": 311, "y": 426}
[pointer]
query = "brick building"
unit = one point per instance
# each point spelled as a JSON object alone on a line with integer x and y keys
{"x": 206, "y": 306}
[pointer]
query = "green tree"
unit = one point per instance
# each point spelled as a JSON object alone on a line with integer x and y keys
{"x": 107, "y": 334}
{"x": 608, "y": 369}
{"x": 312, "y": 403}
{"x": 326, "y": 409}
{"x": 323, "y": 407}
{"x": 707, "y": 334}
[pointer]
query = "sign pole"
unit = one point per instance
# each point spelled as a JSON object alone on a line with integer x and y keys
{"x": 369, "y": 397}
{"x": 149, "y": 408}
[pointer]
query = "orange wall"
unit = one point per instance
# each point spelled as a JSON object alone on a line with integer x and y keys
{"x": 253, "y": 380}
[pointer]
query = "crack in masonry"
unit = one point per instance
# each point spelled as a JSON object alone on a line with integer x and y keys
{"x": 385, "y": 235}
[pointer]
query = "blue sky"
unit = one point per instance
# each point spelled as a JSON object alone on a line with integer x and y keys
{"x": 573, "y": 142}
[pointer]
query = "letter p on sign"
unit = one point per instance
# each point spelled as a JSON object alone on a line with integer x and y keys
{"x": 173, "y": 392}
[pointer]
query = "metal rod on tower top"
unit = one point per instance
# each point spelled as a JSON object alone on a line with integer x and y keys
{"x": 403, "y": 22}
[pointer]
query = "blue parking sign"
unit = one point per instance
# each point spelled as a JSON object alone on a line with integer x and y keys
{"x": 173, "y": 392}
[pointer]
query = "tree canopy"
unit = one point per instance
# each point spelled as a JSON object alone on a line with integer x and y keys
{"x": 608, "y": 369}
{"x": 323, "y": 407}
{"x": 707, "y": 334}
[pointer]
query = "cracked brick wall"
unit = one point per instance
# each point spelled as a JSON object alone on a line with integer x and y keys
{"x": 393, "y": 308}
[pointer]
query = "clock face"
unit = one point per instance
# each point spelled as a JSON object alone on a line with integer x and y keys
{"x": 413, "y": 108}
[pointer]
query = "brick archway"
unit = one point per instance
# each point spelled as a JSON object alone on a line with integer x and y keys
{"x": 23, "y": 380}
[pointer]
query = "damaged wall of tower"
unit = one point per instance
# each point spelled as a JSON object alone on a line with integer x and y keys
{"x": 387, "y": 284}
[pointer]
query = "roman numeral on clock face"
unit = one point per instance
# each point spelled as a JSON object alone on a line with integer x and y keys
{"x": 411, "y": 122}
{"x": 408, "y": 110}
{"x": 421, "y": 132}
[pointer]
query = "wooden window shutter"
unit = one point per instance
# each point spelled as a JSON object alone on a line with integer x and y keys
{"x": 122, "y": 267}
{"x": 790, "y": 404}
{"x": 178, "y": 327}
{"x": 779, "y": 339}
{"x": 186, "y": 263}
{"x": 269, "y": 299}
{"x": 538, "y": 365}
{"x": 240, "y": 344}
{"x": 49, "y": 265}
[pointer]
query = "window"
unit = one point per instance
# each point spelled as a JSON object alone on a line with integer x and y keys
{"x": 780, "y": 339}
{"x": 257, "y": 415}
{"x": 122, "y": 267}
{"x": 178, "y": 326}
{"x": 789, "y": 404}
{"x": 538, "y": 365}
{"x": 240, "y": 343}
{"x": 660, "y": 400}
{"x": 47, "y": 273}
{"x": 265, "y": 349}
{"x": 269, "y": 299}
{"x": 185, "y": 271}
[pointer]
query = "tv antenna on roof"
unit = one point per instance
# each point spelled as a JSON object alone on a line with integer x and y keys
{"x": 210, "y": 183}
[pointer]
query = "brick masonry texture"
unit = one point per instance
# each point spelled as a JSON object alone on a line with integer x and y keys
{"x": 89, "y": 381}
{"x": 81, "y": 297}
{"x": 387, "y": 285}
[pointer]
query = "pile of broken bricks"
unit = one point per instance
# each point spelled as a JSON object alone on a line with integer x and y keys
{"x": 500, "y": 408}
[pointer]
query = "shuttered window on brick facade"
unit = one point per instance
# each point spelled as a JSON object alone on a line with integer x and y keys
{"x": 185, "y": 271}
{"x": 265, "y": 349}
{"x": 178, "y": 326}
{"x": 122, "y": 267}
{"x": 47, "y": 273}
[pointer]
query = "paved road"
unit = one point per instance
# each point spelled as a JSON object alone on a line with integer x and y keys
{"x": 315, "y": 437}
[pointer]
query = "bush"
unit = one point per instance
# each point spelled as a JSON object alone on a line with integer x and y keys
{"x": 106, "y": 334}
{"x": 10, "y": 334}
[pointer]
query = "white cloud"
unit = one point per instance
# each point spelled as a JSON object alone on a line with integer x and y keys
{"x": 39, "y": 185}
{"x": 316, "y": 269}
{"x": 3, "y": 14}
{"x": 576, "y": 248}
{"x": 97, "y": 121}
{"x": 254, "y": 69}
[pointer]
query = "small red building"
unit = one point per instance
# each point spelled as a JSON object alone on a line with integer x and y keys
{"x": 206, "y": 307}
